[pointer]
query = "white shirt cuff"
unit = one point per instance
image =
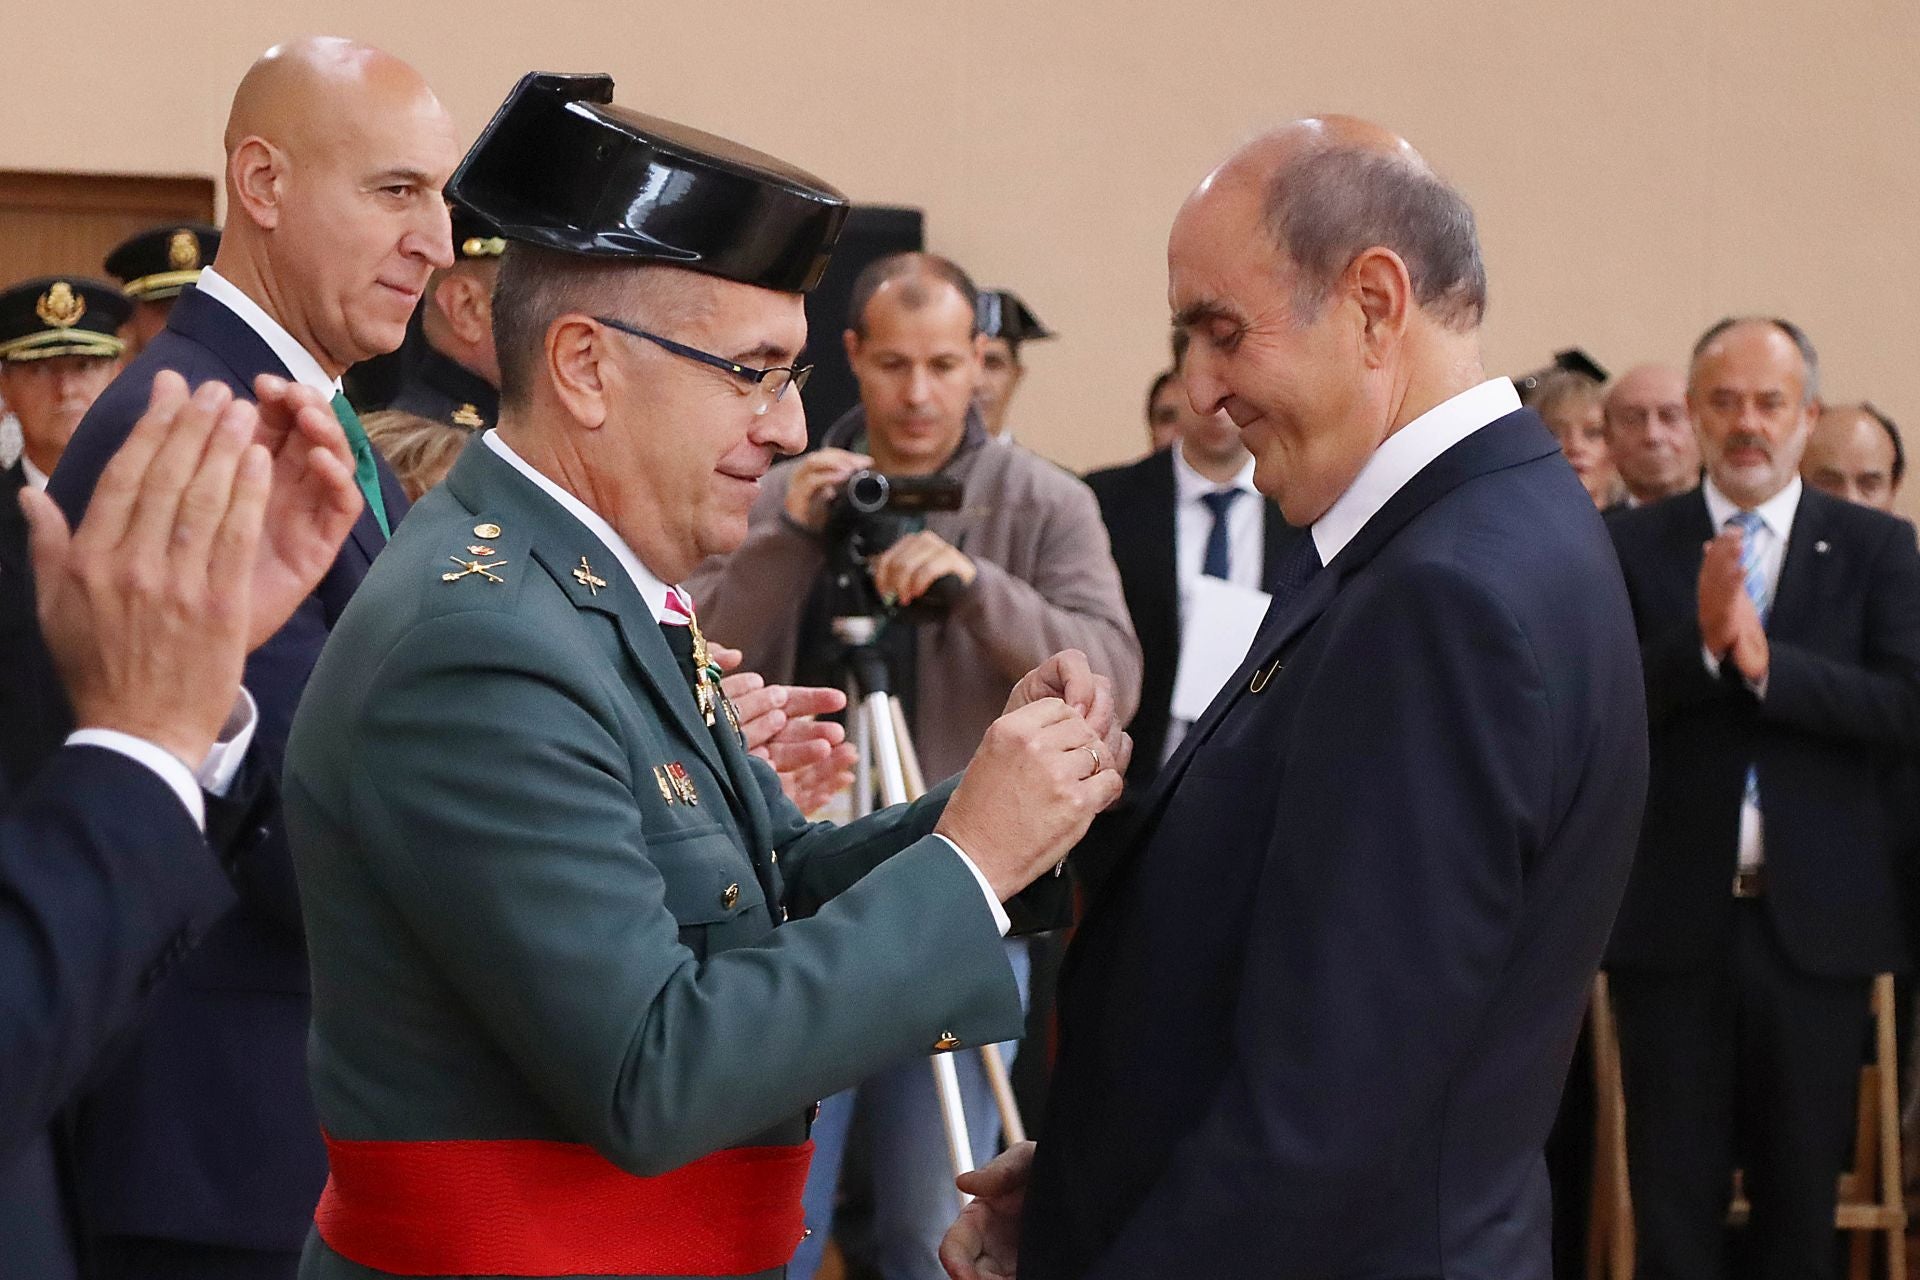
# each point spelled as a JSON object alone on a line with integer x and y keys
{"x": 1713, "y": 663}
{"x": 172, "y": 770}
{"x": 222, "y": 764}
{"x": 1000, "y": 920}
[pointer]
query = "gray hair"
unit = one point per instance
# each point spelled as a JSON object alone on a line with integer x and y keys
{"x": 1328, "y": 208}
{"x": 1798, "y": 336}
{"x": 537, "y": 286}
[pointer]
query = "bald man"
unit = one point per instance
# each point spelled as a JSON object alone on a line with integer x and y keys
{"x": 1317, "y": 1021}
{"x": 1650, "y": 434}
{"x": 198, "y": 1152}
{"x": 1855, "y": 453}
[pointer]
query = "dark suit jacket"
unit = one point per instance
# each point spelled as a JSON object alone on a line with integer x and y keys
{"x": 104, "y": 884}
{"x": 203, "y": 1130}
{"x": 1318, "y": 1021}
{"x": 32, "y": 707}
{"x": 1842, "y": 696}
{"x": 1138, "y": 503}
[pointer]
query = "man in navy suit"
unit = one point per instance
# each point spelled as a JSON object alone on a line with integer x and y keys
{"x": 1317, "y": 1022}
{"x": 150, "y": 607}
{"x": 1780, "y": 629}
{"x": 198, "y": 1152}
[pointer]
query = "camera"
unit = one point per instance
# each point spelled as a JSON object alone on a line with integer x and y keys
{"x": 871, "y": 512}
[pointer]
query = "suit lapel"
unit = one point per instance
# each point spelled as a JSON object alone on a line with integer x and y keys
{"x": 214, "y": 326}
{"x": 1797, "y": 594}
{"x": 1277, "y": 534}
{"x": 13, "y": 524}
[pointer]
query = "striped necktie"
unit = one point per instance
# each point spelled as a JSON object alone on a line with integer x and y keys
{"x": 1752, "y": 530}
{"x": 366, "y": 471}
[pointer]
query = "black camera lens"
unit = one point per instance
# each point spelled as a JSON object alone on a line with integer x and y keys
{"x": 866, "y": 492}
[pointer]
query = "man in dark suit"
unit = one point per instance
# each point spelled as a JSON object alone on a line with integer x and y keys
{"x": 1180, "y": 512}
{"x": 105, "y": 877}
{"x": 1780, "y": 630}
{"x": 1317, "y": 1022}
{"x": 198, "y": 1150}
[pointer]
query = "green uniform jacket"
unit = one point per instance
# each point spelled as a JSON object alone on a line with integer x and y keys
{"x": 514, "y": 933}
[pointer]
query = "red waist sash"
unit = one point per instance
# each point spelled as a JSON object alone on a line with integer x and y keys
{"x": 523, "y": 1207}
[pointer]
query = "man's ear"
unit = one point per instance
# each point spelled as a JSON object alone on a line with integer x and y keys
{"x": 463, "y": 303}
{"x": 851, "y": 341}
{"x": 1378, "y": 283}
{"x": 577, "y": 368}
{"x": 256, "y": 174}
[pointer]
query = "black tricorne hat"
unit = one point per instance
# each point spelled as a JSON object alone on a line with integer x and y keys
{"x": 159, "y": 262}
{"x": 1000, "y": 313}
{"x": 560, "y": 166}
{"x": 62, "y": 316}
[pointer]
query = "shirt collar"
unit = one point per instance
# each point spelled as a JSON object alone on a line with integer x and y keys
{"x": 300, "y": 363}
{"x": 1190, "y": 484}
{"x": 651, "y": 589}
{"x": 36, "y": 478}
{"x": 1776, "y": 512}
{"x": 1404, "y": 454}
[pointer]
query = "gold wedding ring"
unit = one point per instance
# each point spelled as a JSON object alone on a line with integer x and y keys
{"x": 1095, "y": 753}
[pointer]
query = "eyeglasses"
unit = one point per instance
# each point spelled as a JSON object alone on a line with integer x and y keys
{"x": 768, "y": 384}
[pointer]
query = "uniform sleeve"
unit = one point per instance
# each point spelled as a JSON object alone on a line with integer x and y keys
{"x": 543, "y": 897}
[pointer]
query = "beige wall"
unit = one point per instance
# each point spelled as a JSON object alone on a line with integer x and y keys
{"x": 1640, "y": 167}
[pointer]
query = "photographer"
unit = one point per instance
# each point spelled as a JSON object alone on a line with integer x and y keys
{"x": 1020, "y": 570}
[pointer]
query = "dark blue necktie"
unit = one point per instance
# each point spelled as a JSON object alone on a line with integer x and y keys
{"x": 1297, "y": 568}
{"x": 1218, "y": 563}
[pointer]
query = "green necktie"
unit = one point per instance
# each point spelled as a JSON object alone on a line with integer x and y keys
{"x": 366, "y": 472}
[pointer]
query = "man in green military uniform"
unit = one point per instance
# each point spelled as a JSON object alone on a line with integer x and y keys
{"x": 580, "y": 969}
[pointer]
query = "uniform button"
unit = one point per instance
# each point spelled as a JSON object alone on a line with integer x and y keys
{"x": 947, "y": 1041}
{"x": 773, "y": 857}
{"x": 730, "y": 896}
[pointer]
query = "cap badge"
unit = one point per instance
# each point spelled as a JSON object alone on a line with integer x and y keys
{"x": 468, "y": 416}
{"x": 60, "y": 307}
{"x": 483, "y": 246}
{"x": 183, "y": 251}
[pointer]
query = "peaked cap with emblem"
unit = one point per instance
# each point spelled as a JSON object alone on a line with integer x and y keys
{"x": 560, "y": 166}
{"x": 475, "y": 239}
{"x": 158, "y": 263}
{"x": 1000, "y": 313}
{"x": 62, "y": 316}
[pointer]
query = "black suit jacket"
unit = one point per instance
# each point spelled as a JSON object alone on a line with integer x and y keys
{"x": 1318, "y": 1021}
{"x": 202, "y": 1129}
{"x": 1842, "y": 697}
{"x": 105, "y": 882}
{"x": 1138, "y": 503}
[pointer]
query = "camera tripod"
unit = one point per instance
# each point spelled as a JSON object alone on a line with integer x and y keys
{"x": 887, "y": 772}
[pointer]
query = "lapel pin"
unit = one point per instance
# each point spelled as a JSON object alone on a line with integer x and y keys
{"x": 585, "y": 576}
{"x": 486, "y": 531}
{"x": 682, "y": 783}
{"x": 1822, "y": 547}
{"x": 666, "y": 787}
{"x": 1260, "y": 678}
{"x": 470, "y": 567}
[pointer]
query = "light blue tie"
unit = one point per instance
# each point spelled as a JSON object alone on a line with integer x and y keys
{"x": 1752, "y": 528}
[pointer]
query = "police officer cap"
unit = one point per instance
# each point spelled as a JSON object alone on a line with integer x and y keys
{"x": 562, "y": 167}
{"x": 62, "y": 316}
{"x": 158, "y": 263}
{"x": 999, "y": 313}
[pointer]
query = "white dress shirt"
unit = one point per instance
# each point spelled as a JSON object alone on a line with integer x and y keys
{"x": 1404, "y": 454}
{"x": 300, "y": 362}
{"x": 1193, "y": 524}
{"x": 36, "y": 478}
{"x": 1776, "y": 526}
{"x": 654, "y": 592}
